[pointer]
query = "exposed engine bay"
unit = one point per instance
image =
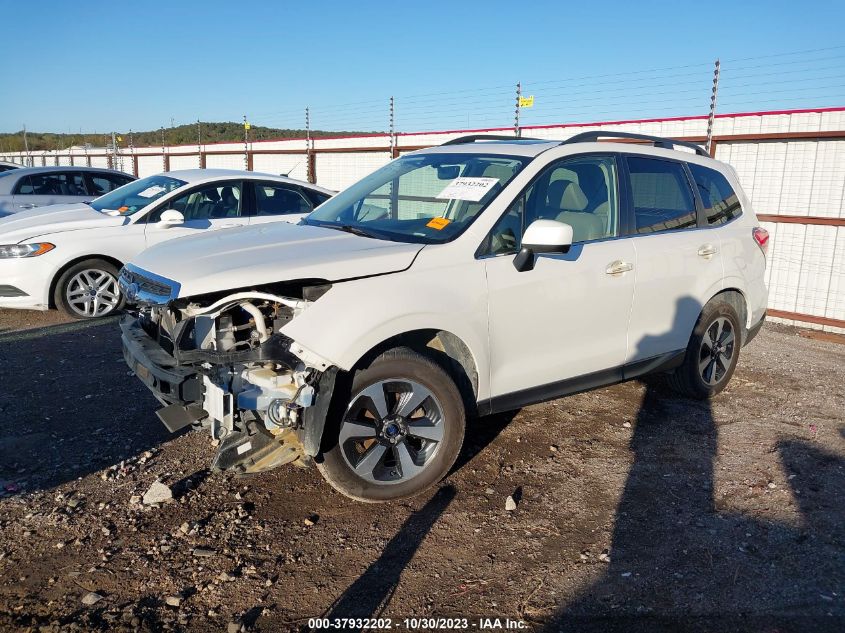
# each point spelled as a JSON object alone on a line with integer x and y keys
{"x": 251, "y": 389}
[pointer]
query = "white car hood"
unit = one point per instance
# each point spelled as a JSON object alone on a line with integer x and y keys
{"x": 229, "y": 259}
{"x": 54, "y": 218}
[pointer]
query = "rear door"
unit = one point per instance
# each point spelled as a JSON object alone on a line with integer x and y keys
{"x": 52, "y": 187}
{"x": 679, "y": 263}
{"x": 212, "y": 206}
{"x": 274, "y": 201}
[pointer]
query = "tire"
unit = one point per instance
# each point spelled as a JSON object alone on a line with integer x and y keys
{"x": 90, "y": 275}
{"x": 372, "y": 457}
{"x": 705, "y": 373}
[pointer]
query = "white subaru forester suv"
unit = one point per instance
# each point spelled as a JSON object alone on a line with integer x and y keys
{"x": 479, "y": 276}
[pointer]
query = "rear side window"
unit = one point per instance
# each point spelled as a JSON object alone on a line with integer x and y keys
{"x": 101, "y": 184}
{"x": 272, "y": 199}
{"x": 661, "y": 194}
{"x": 53, "y": 184}
{"x": 317, "y": 197}
{"x": 721, "y": 203}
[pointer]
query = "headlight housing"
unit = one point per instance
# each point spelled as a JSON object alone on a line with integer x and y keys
{"x": 17, "y": 251}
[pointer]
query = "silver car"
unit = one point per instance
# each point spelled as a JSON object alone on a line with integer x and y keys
{"x": 4, "y": 166}
{"x": 30, "y": 187}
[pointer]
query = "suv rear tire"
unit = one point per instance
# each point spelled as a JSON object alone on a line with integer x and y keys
{"x": 400, "y": 431}
{"x": 88, "y": 290}
{"x": 712, "y": 352}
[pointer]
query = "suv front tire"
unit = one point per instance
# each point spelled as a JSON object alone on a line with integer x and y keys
{"x": 399, "y": 432}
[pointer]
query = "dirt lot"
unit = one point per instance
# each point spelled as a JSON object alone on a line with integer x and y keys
{"x": 636, "y": 510}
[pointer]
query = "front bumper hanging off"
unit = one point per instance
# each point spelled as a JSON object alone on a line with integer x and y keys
{"x": 191, "y": 398}
{"x": 178, "y": 388}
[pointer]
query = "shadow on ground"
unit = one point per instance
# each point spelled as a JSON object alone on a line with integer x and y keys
{"x": 371, "y": 592}
{"x": 68, "y": 406}
{"x": 677, "y": 563}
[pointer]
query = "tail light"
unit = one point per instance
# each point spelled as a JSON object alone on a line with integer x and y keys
{"x": 761, "y": 236}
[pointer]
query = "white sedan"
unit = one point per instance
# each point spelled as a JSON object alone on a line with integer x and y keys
{"x": 68, "y": 256}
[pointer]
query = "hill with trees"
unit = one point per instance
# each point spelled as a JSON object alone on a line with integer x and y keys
{"x": 211, "y": 132}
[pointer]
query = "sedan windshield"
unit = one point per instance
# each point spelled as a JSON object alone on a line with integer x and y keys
{"x": 134, "y": 196}
{"x": 427, "y": 198}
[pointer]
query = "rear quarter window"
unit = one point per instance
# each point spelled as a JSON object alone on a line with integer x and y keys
{"x": 720, "y": 201}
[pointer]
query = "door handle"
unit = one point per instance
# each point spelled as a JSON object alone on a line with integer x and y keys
{"x": 230, "y": 225}
{"x": 27, "y": 205}
{"x": 707, "y": 250}
{"x": 618, "y": 267}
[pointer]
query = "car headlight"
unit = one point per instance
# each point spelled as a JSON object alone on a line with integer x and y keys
{"x": 16, "y": 251}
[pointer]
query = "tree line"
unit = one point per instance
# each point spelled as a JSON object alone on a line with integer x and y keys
{"x": 210, "y": 132}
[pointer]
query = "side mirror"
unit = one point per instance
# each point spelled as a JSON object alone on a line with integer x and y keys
{"x": 171, "y": 217}
{"x": 542, "y": 236}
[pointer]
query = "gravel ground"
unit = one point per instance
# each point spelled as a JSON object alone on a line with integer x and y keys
{"x": 636, "y": 510}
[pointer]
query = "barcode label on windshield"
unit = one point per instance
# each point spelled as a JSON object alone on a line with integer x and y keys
{"x": 471, "y": 189}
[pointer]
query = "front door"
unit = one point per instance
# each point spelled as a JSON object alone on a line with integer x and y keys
{"x": 563, "y": 325}
{"x": 207, "y": 207}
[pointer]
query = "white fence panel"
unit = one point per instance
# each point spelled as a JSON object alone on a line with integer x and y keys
{"x": 99, "y": 161}
{"x": 149, "y": 165}
{"x": 291, "y": 165}
{"x": 225, "y": 161}
{"x": 184, "y": 162}
{"x": 338, "y": 171}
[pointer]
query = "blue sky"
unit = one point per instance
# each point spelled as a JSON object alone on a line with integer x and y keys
{"x": 113, "y": 65}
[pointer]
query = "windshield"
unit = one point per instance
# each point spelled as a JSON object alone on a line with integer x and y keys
{"x": 136, "y": 195}
{"x": 427, "y": 198}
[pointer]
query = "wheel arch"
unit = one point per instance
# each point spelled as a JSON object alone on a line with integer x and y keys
{"x": 61, "y": 271}
{"x": 736, "y": 298}
{"x": 446, "y": 349}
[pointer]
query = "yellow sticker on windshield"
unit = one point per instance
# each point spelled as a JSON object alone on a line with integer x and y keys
{"x": 438, "y": 223}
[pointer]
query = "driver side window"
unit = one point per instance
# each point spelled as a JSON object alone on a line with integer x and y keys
{"x": 211, "y": 202}
{"x": 578, "y": 191}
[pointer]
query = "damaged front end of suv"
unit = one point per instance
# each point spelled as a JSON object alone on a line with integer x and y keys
{"x": 220, "y": 361}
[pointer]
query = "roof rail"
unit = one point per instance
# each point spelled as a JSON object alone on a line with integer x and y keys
{"x": 485, "y": 137}
{"x": 657, "y": 141}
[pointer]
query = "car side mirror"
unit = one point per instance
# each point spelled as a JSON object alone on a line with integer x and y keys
{"x": 171, "y": 217}
{"x": 542, "y": 236}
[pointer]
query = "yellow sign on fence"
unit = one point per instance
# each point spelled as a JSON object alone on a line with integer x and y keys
{"x": 526, "y": 102}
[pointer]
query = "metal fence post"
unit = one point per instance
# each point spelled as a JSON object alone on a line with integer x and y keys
{"x": 246, "y": 145}
{"x": 516, "y": 129}
{"x": 165, "y": 159}
{"x": 199, "y": 145}
{"x": 26, "y": 146}
{"x": 133, "y": 155}
{"x": 310, "y": 163}
{"x": 710, "y": 145}
{"x": 394, "y": 153}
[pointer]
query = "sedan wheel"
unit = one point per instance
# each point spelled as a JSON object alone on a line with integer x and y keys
{"x": 92, "y": 293}
{"x": 88, "y": 290}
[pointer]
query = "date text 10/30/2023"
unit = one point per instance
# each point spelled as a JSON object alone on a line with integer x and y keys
{"x": 418, "y": 624}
